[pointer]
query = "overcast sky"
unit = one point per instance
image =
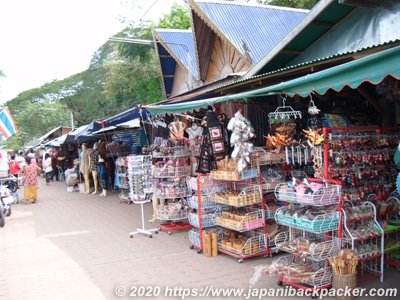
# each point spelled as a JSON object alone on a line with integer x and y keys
{"x": 43, "y": 40}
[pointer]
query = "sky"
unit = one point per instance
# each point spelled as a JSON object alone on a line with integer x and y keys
{"x": 44, "y": 40}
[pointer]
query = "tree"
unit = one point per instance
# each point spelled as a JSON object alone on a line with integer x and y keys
{"x": 178, "y": 18}
{"x": 119, "y": 76}
{"x": 305, "y": 4}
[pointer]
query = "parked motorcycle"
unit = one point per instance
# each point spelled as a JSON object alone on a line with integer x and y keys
{"x": 5, "y": 204}
{"x": 11, "y": 183}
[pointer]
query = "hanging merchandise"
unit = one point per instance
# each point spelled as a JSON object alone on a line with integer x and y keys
{"x": 315, "y": 140}
{"x": 216, "y": 134}
{"x": 242, "y": 133}
{"x": 213, "y": 147}
{"x": 284, "y": 114}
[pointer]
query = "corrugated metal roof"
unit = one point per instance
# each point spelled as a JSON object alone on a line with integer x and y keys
{"x": 324, "y": 16}
{"x": 180, "y": 42}
{"x": 205, "y": 93}
{"x": 245, "y": 25}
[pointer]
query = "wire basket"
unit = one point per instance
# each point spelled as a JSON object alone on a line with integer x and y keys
{"x": 194, "y": 235}
{"x": 207, "y": 218}
{"x": 318, "y": 224}
{"x": 240, "y": 221}
{"x": 204, "y": 202}
{"x": 248, "y": 194}
{"x": 317, "y": 247}
{"x": 172, "y": 212}
{"x": 165, "y": 170}
{"x": 270, "y": 211}
{"x": 281, "y": 237}
{"x": 299, "y": 271}
{"x": 321, "y": 195}
{"x": 244, "y": 246}
{"x": 207, "y": 185}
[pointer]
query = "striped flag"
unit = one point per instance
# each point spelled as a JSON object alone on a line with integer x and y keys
{"x": 7, "y": 124}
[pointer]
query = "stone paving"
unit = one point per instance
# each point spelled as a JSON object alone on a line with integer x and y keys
{"x": 76, "y": 246}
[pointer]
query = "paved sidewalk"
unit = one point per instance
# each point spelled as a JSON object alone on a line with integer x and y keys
{"x": 76, "y": 246}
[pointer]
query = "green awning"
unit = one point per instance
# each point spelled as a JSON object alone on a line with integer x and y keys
{"x": 373, "y": 68}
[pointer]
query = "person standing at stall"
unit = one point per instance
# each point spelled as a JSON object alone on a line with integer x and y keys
{"x": 94, "y": 163}
{"x": 84, "y": 166}
{"x": 30, "y": 173}
{"x": 54, "y": 165}
{"x": 102, "y": 169}
{"x": 48, "y": 169}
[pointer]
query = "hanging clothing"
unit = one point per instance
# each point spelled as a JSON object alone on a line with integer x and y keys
{"x": 142, "y": 139}
{"x": 94, "y": 159}
{"x": 103, "y": 175}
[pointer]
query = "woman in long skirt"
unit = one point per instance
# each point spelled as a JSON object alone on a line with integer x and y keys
{"x": 30, "y": 173}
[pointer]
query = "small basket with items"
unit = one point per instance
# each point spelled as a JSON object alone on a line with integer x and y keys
{"x": 297, "y": 272}
{"x": 242, "y": 244}
{"x": 266, "y": 156}
{"x": 270, "y": 179}
{"x": 243, "y": 195}
{"x": 309, "y": 245}
{"x": 308, "y": 192}
{"x": 227, "y": 169}
{"x": 204, "y": 184}
{"x": 240, "y": 219}
{"x": 309, "y": 218}
{"x": 172, "y": 212}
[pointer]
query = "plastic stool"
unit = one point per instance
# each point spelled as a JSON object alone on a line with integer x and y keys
{"x": 60, "y": 174}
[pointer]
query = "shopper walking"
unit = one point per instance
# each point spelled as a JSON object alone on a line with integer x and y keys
{"x": 30, "y": 173}
{"x": 48, "y": 169}
{"x": 14, "y": 170}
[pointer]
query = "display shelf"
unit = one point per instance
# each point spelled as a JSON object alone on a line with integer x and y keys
{"x": 363, "y": 234}
{"x": 311, "y": 212}
{"x": 171, "y": 168}
{"x": 123, "y": 180}
{"x": 140, "y": 179}
{"x": 388, "y": 217}
{"x": 244, "y": 216}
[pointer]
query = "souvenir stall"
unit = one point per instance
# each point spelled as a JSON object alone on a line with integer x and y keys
{"x": 323, "y": 196}
{"x": 346, "y": 215}
{"x": 209, "y": 181}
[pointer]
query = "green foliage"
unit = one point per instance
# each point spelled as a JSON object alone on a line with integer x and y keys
{"x": 120, "y": 76}
{"x": 305, "y": 4}
{"x": 34, "y": 120}
{"x": 178, "y": 18}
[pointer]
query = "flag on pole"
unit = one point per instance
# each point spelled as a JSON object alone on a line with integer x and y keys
{"x": 7, "y": 124}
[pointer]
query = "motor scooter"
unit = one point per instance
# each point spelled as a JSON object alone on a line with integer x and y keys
{"x": 5, "y": 204}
